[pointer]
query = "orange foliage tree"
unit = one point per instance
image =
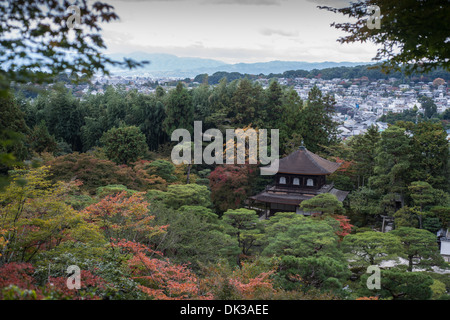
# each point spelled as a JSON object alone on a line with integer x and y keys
{"x": 17, "y": 282}
{"x": 231, "y": 185}
{"x": 249, "y": 282}
{"x": 91, "y": 287}
{"x": 159, "y": 278}
{"x": 124, "y": 216}
{"x": 344, "y": 226}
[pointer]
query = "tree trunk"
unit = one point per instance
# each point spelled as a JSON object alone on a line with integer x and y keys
{"x": 188, "y": 173}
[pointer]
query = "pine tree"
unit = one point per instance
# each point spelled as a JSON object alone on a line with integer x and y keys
{"x": 317, "y": 125}
{"x": 392, "y": 172}
{"x": 179, "y": 110}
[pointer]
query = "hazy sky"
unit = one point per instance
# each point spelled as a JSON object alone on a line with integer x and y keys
{"x": 232, "y": 30}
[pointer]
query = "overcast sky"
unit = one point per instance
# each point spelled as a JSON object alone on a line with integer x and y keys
{"x": 232, "y": 30}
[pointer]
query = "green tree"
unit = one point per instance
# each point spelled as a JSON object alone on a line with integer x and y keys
{"x": 300, "y": 236}
{"x": 443, "y": 213}
{"x": 363, "y": 154}
{"x": 430, "y": 153}
{"x": 101, "y": 113}
{"x": 35, "y": 46}
{"x": 408, "y": 217}
{"x": 446, "y": 114}
{"x": 438, "y": 289}
{"x": 423, "y": 197}
{"x": 247, "y": 102}
{"x": 244, "y": 225}
{"x": 419, "y": 246}
{"x": 194, "y": 235}
{"x": 13, "y": 131}
{"x": 290, "y": 123}
{"x": 201, "y": 102}
{"x": 324, "y": 203}
{"x": 164, "y": 169}
{"x": 364, "y": 206}
{"x": 147, "y": 113}
{"x": 428, "y": 106}
{"x": 422, "y": 194}
{"x": 411, "y": 115}
{"x": 179, "y": 110}
{"x": 318, "y": 128}
{"x": 432, "y": 223}
{"x": 392, "y": 167}
{"x": 308, "y": 252}
{"x": 220, "y": 100}
{"x": 203, "y": 212}
{"x": 371, "y": 247}
{"x": 124, "y": 145}
{"x": 413, "y": 40}
{"x": 35, "y": 42}
{"x": 400, "y": 285}
{"x": 274, "y": 106}
{"x": 63, "y": 117}
{"x": 34, "y": 217}
{"x": 324, "y": 273}
{"x": 192, "y": 194}
{"x": 40, "y": 139}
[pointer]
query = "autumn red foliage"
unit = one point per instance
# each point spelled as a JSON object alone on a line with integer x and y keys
{"x": 231, "y": 185}
{"x": 367, "y": 298}
{"x": 95, "y": 173}
{"x": 124, "y": 216}
{"x": 251, "y": 288}
{"x": 143, "y": 170}
{"x": 91, "y": 287}
{"x": 158, "y": 277}
{"x": 344, "y": 225}
{"x": 20, "y": 276}
{"x": 245, "y": 283}
{"x": 346, "y": 166}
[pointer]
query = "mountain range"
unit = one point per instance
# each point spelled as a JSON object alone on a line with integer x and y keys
{"x": 168, "y": 65}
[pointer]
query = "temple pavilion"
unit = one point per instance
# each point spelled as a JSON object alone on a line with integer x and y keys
{"x": 301, "y": 176}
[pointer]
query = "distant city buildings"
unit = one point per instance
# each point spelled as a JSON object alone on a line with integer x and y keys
{"x": 359, "y": 102}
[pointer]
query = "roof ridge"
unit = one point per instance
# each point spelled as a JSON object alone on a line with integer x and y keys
{"x": 309, "y": 154}
{"x": 303, "y": 161}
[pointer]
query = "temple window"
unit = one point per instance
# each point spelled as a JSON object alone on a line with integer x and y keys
{"x": 309, "y": 182}
{"x": 296, "y": 182}
{"x": 282, "y": 180}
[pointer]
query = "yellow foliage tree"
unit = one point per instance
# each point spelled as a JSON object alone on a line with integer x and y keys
{"x": 34, "y": 216}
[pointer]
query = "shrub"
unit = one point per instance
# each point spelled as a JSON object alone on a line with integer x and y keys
{"x": 94, "y": 173}
{"x": 231, "y": 185}
{"x": 125, "y": 144}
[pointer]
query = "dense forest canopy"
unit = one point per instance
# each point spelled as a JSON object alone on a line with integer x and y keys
{"x": 97, "y": 189}
{"x": 91, "y": 186}
{"x": 372, "y": 72}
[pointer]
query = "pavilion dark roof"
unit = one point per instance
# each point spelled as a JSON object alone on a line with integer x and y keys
{"x": 303, "y": 161}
